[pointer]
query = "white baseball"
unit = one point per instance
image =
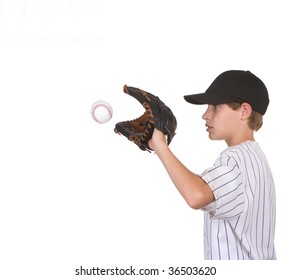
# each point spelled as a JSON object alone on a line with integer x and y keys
{"x": 101, "y": 111}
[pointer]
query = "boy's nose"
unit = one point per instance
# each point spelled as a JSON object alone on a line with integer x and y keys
{"x": 206, "y": 115}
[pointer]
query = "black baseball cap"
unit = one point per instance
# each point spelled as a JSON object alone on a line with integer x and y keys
{"x": 234, "y": 86}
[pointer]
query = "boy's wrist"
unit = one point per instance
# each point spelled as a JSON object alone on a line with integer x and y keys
{"x": 161, "y": 147}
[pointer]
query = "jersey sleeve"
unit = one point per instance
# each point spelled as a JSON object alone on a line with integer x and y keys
{"x": 226, "y": 181}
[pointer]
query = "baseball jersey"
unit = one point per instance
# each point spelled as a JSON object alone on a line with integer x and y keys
{"x": 240, "y": 223}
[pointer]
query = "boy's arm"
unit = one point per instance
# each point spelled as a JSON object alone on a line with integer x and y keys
{"x": 192, "y": 187}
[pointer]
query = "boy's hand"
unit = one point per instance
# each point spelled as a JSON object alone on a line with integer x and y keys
{"x": 158, "y": 139}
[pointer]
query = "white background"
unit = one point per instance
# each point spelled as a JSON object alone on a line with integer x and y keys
{"x": 75, "y": 193}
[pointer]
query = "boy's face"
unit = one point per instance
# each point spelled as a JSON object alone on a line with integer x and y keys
{"x": 223, "y": 123}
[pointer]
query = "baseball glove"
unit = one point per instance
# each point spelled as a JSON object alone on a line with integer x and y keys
{"x": 156, "y": 115}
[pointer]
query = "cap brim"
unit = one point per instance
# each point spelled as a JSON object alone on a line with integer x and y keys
{"x": 205, "y": 98}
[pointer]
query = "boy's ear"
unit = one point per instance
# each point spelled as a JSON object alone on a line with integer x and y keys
{"x": 246, "y": 110}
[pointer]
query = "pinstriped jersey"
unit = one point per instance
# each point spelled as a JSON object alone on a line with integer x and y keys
{"x": 240, "y": 223}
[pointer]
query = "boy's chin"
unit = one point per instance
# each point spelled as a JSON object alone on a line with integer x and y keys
{"x": 214, "y": 137}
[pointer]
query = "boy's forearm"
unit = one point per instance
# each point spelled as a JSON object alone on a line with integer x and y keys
{"x": 191, "y": 186}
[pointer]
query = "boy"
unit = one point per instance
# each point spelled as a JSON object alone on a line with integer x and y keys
{"x": 237, "y": 194}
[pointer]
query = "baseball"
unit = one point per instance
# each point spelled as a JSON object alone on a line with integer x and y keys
{"x": 101, "y": 111}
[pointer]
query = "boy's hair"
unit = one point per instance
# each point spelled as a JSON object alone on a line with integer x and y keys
{"x": 255, "y": 119}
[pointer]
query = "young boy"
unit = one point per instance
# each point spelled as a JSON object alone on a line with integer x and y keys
{"x": 237, "y": 193}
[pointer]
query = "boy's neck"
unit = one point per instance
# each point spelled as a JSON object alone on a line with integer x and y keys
{"x": 240, "y": 139}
